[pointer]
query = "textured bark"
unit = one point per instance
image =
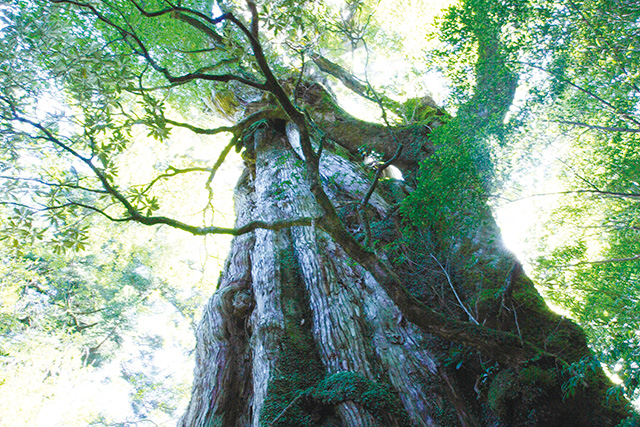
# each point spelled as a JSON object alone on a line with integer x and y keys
{"x": 299, "y": 333}
{"x": 355, "y": 135}
{"x": 223, "y": 369}
{"x": 354, "y": 324}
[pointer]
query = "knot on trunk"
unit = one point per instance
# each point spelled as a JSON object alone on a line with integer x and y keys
{"x": 242, "y": 303}
{"x": 237, "y": 299}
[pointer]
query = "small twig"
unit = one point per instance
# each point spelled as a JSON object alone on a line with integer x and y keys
{"x": 601, "y": 261}
{"x": 563, "y": 193}
{"x": 171, "y": 172}
{"x": 284, "y": 411}
{"x": 515, "y": 318}
{"x": 587, "y": 92}
{"x": 454, "y": 291}
{"x": 595, "y": 127}
{"x": 85, "y": 313}
{"x": 113, "y": 330}
{"x": 53, "y": 184}
{"x": 379, "y": 170}
{"x": 221, "y": 158}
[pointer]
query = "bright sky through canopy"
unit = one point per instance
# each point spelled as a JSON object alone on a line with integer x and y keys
{"x": 116, "y": 122}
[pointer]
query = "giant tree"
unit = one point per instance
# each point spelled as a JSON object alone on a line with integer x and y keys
{"x": 347, "y": 298}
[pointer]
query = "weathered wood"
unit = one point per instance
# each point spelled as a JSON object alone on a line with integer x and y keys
{"x": 222, "y": 375}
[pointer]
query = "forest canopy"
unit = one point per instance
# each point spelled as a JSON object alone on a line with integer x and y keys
{"x": 124, "y": 125}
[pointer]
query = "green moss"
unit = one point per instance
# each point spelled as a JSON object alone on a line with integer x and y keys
{"x": 535, "y": 376}
{"x": 299, "y": 366}
{"x": 568, "y": 341}
{"x": 418, "y": 110}
{"x": 378, "y": 398}
{"x": 527, "y": 296}
{"x": 300, "y": 374}
{"x": 518, "y": 396}
{"x": 530, "y": 396}
{"x": 502, "y": 391}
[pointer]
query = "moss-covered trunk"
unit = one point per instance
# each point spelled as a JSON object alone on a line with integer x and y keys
{"x": 299, "y": 334}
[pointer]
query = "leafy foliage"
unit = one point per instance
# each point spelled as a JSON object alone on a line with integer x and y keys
{"x": 69, "y": 321}
{"x": 452, "y": 185}
{"x": 591, "y": 270}
{"x": 87, "y": 87}
{"x": 580, "y": 63}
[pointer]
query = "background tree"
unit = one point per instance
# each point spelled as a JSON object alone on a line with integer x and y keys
{"x": 345, "y": 300}
{"x": 580, "y": 64}
{"x": 79, "y": 328}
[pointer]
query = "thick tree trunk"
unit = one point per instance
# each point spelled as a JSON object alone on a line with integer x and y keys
{"x": 299, "y": 334}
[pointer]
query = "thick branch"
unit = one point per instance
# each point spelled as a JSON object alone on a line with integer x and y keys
{"x": 595, "y": 127}
{"x": 351, "y": 133}
{"x": 201, "y": 231}
{"x": 198, "y": 25}
{"x": 200, "y": 130}
{"x": 603, "y": 261}
{"x": 264, "y": 114}
{"x": 353, "y": 83}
